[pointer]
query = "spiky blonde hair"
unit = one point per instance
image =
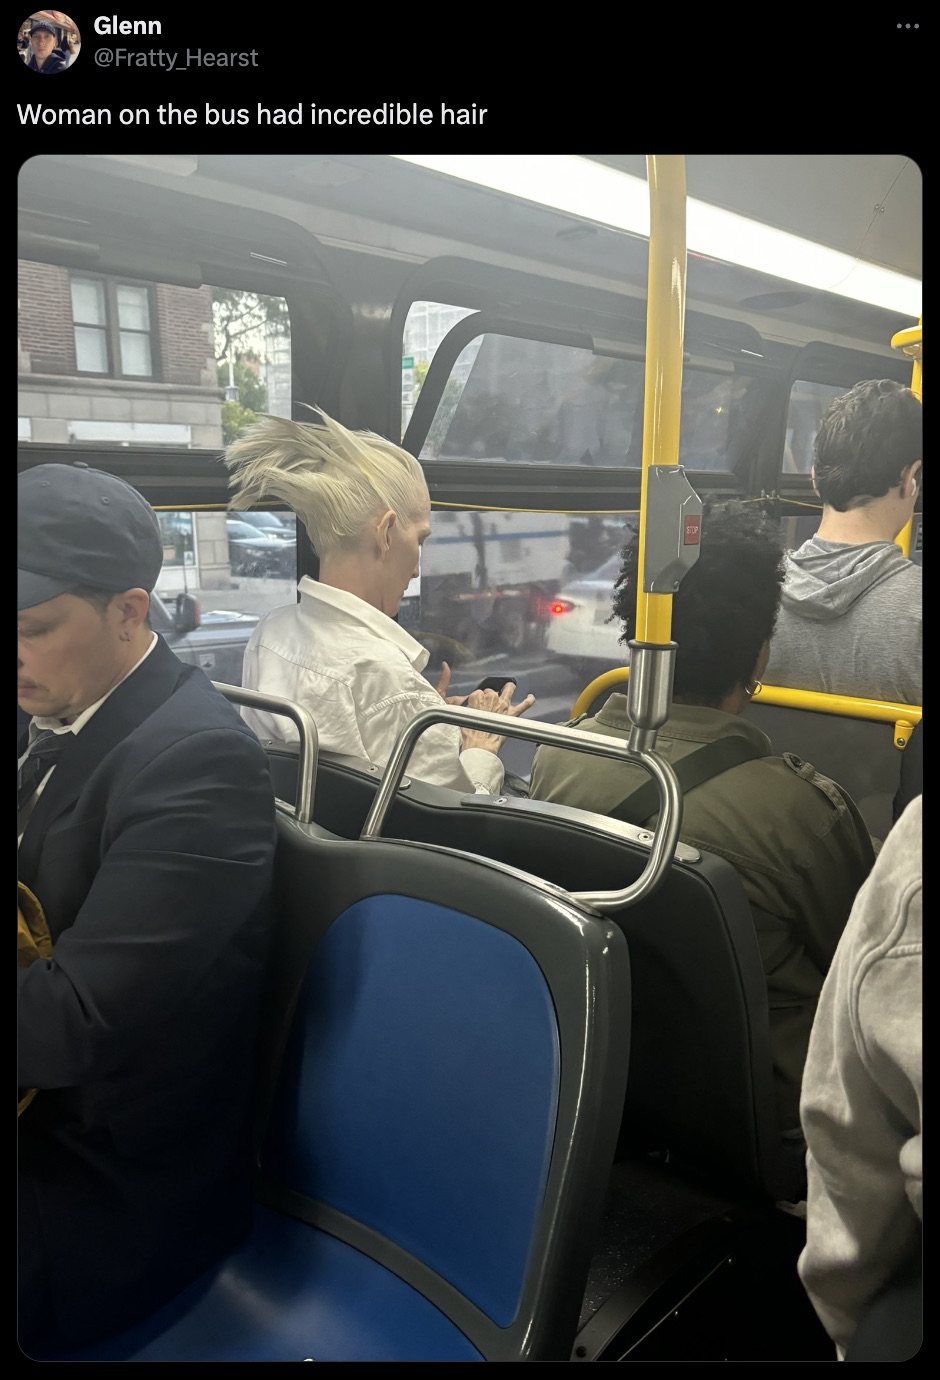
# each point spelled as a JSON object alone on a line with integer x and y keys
{"x": 333, "y": 479}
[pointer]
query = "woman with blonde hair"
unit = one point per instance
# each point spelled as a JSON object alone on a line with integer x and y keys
{"x": 339, "y": 652}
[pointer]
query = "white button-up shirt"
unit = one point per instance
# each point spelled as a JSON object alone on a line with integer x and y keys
{"x": 359, "y": 675}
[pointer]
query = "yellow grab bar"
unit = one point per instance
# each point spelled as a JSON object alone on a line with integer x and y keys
{"x": 618, "y": 676}
{"x": 904, "y": 717}
{"x": 911, "y": 342}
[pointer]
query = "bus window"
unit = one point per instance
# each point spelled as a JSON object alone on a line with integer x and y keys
{"x": 794, "y": 531}
{"x": 711, "y": 404}
{"x": 234, "y": 568}
{"x": 426, "y": 325}
{"x": 808, "y": 402}
{"x": 519, "y": 594}
{"x": 532, "y": 402}
{"x": 176, "y": 530}
{"x": 251, "y": 334}
{"x": 105, "y": 361}
{"x": 523, "y": 401}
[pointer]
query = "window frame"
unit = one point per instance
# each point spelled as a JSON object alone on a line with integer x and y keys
{"x": 834, "y": 365}
{"x": 605, "y": 487}
{"x": 112, "y": 327}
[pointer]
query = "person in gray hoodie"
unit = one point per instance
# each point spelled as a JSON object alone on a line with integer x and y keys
{"x": 850, "y": 618}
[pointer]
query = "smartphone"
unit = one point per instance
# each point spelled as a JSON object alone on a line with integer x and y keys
{"x": 496, "y": 683}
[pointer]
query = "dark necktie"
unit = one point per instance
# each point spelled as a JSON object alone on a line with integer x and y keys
{"x": 44, "y": 752}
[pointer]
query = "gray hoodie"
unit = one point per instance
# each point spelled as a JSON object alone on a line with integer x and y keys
{"x": 850, "y": 622}
{"x": 863, "y": 1093}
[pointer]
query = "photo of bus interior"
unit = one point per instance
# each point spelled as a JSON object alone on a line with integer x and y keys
{"x": 581, "y": 1161}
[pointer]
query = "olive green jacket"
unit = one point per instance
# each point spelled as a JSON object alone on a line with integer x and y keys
{"x": 796, "y": 839}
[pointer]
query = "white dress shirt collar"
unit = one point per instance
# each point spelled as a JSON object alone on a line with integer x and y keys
{"x": 356, "y": 609}
{"x": 42, "y": 722}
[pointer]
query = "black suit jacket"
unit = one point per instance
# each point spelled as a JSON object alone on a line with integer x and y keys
{"x": 151, "y": 851}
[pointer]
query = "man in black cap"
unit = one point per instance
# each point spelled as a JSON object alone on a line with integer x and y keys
{"x": 43, "y": 54}
{"x": 146, "y": 828}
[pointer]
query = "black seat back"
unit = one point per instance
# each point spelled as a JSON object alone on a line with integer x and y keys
{"x": 859, "y": 754}
{"x": 448, "y": 1061}
{"x": 448, "y": 1096}
{"x": 701, "y": 1080}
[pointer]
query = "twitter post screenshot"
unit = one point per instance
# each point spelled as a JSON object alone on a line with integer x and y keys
{"x": 398, "y": 535}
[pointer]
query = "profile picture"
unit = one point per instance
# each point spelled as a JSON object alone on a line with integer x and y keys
{"x": 48, "y": 42}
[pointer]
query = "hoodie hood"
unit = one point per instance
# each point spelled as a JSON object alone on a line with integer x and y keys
{"x": 824, "y": 578}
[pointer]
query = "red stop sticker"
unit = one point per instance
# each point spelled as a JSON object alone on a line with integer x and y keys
{"x": 692, "y": 530}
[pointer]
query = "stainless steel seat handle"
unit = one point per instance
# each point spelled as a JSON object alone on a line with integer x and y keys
{"x": 670, "y": 798}
{"x": 306, "y": 729}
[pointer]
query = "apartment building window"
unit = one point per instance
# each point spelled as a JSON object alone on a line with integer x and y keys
{"x": 112, "y": 325}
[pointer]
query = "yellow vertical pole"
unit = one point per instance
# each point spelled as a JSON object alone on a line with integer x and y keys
{"x": 912, "y": 343}
{"x": 665, "y": 329}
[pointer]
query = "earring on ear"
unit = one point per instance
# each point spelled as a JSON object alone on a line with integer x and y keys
{"x": 125, "y": 637}
{"x": 751, "y": 690}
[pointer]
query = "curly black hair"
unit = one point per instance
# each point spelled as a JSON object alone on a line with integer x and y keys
{"x": 726, "y": 606}
{"x": 866, "y": 438}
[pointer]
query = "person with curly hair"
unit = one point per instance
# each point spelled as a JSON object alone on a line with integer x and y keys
{"x": 796, "y": 838}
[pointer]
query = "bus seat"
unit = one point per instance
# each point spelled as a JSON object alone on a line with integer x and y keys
{"x": 701, "y": 1073}
{"x": 444, "y": 1122}
{"x": 859, "y": 754}
{"x": 700, "y": 1081}
{"x": 911, "y": 781}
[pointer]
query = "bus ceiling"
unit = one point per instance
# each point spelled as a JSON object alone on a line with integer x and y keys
{"x": 867, "y": 207}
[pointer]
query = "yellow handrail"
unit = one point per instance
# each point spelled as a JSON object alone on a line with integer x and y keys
{"x": 665, "y": 331}
{"x": 911, "y": 342}
{"x": 618, "y": 676}
{"x": 904, "y": 717}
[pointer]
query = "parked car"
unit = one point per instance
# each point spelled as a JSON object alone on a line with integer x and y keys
{"x": 255, "y": 551}
{"x": 277, "y": 524}
{"x": 214, "y": 641}
{"x": 578, "y": 629}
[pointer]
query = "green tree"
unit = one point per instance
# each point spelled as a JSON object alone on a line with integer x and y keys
{"x": 252, "y": 395}
{"x": 421, "y": 372}
{"x": 241, "y": 320}
{"x": 252, "y": 392}
{"x": 234, "y": 420}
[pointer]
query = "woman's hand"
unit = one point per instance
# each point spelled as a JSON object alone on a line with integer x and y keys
{"x": 442, "y": 685}
{"x": 492, "y": 703}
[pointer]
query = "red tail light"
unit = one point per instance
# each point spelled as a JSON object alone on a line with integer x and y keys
{"x": 561, "y": 606}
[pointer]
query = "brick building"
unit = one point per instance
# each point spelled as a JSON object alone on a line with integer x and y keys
{"x": 123, "y": 362}
{"x": 106, "y": 360}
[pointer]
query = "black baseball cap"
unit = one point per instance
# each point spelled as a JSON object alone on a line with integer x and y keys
{"x": 40, "y": 28}
{"x": 79, "y": 527}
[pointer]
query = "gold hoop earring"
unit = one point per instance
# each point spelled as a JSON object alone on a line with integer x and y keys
{"x": 751, "y": 690}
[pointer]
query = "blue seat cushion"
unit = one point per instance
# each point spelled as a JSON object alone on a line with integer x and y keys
{"x": 290, "y": 1293}
{"x": 420, "y": 1091}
